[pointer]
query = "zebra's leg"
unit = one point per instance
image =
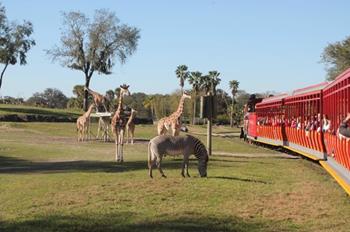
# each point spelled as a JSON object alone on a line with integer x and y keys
{"x": 159, "y": 162}
{"x": 185, "y": 165}
{"x": 151, "y": 164}
{"x": 187, "y": 173}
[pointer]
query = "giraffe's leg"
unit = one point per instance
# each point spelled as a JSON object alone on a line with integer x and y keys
{"x": 116, "y": 146}
{"x": 89, "y": 128}
{"x": 107, "y": 132}
{"x": 83, "y": 133}
{"x": 98, "y": 129}
{"x": 78, "y": 130}
{"x": 132, "y": 135}
{"x": 121, "y": 145}
{"x": 127, "y": 134}
{"x": 159, "y": 128}
{"x": 173, "y": 129}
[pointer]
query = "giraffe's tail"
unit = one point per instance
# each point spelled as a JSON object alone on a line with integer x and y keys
{"x": 149, "y": 156}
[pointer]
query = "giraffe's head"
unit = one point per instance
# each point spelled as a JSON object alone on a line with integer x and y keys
{"x": 124, "y": 90}
{"x": 186, "y": 95}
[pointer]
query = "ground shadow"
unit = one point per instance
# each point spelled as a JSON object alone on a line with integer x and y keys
{"x": 9, "y": 165}
{"x": 126, "y": 221}
{"x": 238, "y": 179}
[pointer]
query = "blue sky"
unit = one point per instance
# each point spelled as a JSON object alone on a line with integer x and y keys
{"x": 265, "y": 45}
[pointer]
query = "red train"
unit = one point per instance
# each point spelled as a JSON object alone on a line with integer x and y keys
{"x": 306, "y": 121}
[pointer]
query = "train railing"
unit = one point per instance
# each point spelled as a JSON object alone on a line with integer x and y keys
{"x": 339, "y": 149}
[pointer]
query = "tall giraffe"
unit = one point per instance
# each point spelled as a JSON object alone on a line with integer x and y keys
{"x": 173, "y": 121}
{"x": 118, "y": 123}
{"x": 130, "y": 127}
{"x": 83, "y": 123}
{"x": 99, "y": 99}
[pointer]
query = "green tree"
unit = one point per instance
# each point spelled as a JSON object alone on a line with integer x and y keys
{"x": 51, "y": 98}
{"x": 148, "y": 103}
{"x": 182, "y": 74}
{"x": 214, "y": 80}
{"x": 336, "y": 57}
{"x": 15, "y": 42}
{"x": 195, "y": 80}
{"x": 234, "y": 88}
{"x": 93, "y": 45}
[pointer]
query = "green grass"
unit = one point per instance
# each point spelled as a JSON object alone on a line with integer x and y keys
{"x": 49, "y": 182}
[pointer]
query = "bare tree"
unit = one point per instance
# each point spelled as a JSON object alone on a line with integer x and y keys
{"x": 93, "y": 45}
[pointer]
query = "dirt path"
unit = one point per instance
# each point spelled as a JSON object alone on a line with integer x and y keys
{"x": 256, "y": 155}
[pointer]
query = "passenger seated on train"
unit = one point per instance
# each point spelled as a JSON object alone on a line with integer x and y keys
{"x": 344, "y": 130}
{"x": 293, "y": 123}
{"x": 326, "y": 124}
{"x": 308, "y": 126}
{"x": 298, "y": 123}
{"x": 318, "y": 123}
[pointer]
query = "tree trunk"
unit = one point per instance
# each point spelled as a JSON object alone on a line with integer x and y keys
{"x": 86, "y": 94}
{"x": 231, "y": 116}
{"x": 2, "y": 74}
{"x": 194, "y": 110}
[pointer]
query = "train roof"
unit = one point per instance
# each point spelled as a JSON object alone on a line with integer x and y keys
{"x": 278, "y": 97}
{"x": 339, "y": 78}
{"x": 310, "y": 89}
{"x": 298, "y": 92}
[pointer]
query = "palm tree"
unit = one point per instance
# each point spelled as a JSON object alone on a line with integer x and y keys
{"x": 205, "y": 84}
{"x": 195, "y": 80}
{"x": 234, "y": 88}
{"x": 214, "y": 80}
{"x": 182, "y": 74}
{"x": 148, "y": 103}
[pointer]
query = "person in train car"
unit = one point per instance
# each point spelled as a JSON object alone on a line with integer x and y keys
{"x": 318, "y": 122}
{"x": 293, "y": 123}
{"x": 326, "y": 127}
{"x": 308, "y": 125}
{"x": 344, "y": 130}
{"x": 299, "y": 123}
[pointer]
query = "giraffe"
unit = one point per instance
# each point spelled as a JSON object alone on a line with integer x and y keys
{"x": 118, "y": 124}
{"x": 83, "y": 123}
{"x": 173, "y": 120}
{"x": 103, "y": 124}
{"x": 130, "y": 127}
{"x": 99, "y": 99}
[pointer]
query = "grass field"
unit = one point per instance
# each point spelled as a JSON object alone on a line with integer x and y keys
{"x": 49, "y": 182}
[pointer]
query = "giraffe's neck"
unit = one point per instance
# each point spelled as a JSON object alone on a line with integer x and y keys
{"x": 120, "y": 106}
{"x": 180, "y": 108}
{"x": 132, "y": 116}
{"x": 87, "y": 113}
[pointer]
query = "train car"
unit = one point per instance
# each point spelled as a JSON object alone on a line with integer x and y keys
{"x": 269, "y": 115}
{"x": 296, "y": 121}
{"x": 336, "y": 104}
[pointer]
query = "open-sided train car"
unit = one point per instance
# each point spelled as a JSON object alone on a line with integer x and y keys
{"x": 296, "y": 122}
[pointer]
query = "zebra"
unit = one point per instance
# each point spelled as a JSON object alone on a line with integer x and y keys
{"x": 161, "y": 145}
